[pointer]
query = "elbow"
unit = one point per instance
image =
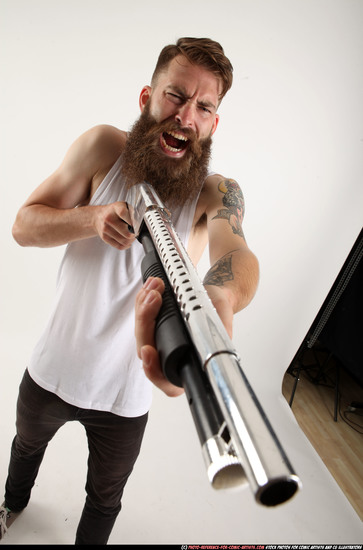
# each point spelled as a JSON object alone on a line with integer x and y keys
{"x": 255, "y": 276}
{"x": 19, "y": 233}
{"x": 248, "y": 283}
{"x": 255, "y": 270}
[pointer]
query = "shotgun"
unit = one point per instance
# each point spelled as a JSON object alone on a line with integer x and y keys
{"x": 238, "y": 443}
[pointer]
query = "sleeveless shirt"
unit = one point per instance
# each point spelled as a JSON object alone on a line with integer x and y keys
{"x": 87, "y": 352}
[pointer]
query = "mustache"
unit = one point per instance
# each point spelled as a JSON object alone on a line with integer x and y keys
{"x": 170, "y": 125}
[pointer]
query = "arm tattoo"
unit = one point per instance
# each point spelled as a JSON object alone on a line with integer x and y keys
{"x": 220, "y": 272}
{"x": 234, "y": 205}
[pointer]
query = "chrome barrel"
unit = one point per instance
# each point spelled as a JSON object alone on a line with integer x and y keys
{"x": 249, "y": 449}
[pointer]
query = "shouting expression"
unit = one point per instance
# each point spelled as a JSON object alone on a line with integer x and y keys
{"x": 169, "y": 146}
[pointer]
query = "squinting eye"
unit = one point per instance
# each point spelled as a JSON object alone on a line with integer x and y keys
{"x": 174, "y": 98}
{"x": 205, "y": 111}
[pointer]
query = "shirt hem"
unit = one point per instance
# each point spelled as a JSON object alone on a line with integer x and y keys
{"x": 95, "y": 406}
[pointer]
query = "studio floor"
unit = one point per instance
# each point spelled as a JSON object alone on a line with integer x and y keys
{"x": 340, "y": 443}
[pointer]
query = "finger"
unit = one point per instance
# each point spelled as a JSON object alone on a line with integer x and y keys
{"x": 118, "y": 227}
{"x": 148, "y": 303}
{"x": 151, "y": 365}
{"x": 119, "y": 243}
{"x": 118, "y": 236}
{"x": 117, "y": 220}
{"x": 123, "y": 213}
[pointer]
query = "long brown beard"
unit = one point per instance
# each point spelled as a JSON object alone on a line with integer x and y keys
{"x": 176, "y": 180}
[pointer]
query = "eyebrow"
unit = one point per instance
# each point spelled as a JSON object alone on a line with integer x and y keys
{"x": 182, "y": 92}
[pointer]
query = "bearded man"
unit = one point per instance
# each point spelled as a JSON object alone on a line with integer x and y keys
{"x": 85, "y": 366}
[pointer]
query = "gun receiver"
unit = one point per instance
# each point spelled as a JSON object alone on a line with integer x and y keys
{"x": 196, "y": 353}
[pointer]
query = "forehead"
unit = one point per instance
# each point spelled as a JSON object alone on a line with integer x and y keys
{"x": 192, "y": 78}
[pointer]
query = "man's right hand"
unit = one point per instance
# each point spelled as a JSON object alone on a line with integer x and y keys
{"x": 111, "y": 223}
{"x": 58, "y": 211}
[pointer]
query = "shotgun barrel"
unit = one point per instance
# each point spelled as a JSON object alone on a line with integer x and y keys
{"x": 238, "y": 442}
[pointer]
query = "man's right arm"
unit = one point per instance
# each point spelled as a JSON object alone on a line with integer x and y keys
{"x": 57, "y": 212}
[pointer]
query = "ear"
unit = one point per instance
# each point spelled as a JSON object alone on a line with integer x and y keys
{"x": 144, "y": 97}
{"x": 215, "y": 124}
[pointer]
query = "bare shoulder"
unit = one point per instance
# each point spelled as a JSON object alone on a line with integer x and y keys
{"x": 85, "y": 164}
{"x": 95, "y": 152}
{"x": 101, "y": 144}
{"x": 105, "y": 136}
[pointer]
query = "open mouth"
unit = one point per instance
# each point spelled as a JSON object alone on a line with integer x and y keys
{"x": 174, "y": 143}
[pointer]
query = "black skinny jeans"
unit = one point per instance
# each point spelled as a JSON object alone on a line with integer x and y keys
{"x": 114, "y": 444}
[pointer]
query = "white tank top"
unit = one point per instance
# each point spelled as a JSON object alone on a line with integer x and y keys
{"x": 87, "y": 353}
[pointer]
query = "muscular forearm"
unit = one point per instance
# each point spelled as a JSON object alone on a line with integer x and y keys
{"x": 234, "y": 278}
{"x": 44, "y": 226}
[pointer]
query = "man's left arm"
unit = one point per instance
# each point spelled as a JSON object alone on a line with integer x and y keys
{"x": 232, "y": 279}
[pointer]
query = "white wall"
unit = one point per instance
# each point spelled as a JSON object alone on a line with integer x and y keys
{"x": 291, "y": 134}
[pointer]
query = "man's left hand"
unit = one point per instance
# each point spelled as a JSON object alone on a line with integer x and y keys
{"x": 148, "y": 303}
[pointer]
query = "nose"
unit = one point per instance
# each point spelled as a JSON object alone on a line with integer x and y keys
{"x": 186, "y": 116}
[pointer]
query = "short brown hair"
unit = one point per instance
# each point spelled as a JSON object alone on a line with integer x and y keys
{"x": 200, "y": 51}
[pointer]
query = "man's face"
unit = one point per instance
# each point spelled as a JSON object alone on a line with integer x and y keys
{"x": 187, "y": 94}
{"x": 169, "y": 146}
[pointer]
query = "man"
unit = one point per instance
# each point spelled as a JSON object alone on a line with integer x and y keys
{"x": 85, "y": 365}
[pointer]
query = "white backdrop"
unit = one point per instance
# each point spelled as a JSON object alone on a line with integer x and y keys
{"x": 291, "y": 133}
